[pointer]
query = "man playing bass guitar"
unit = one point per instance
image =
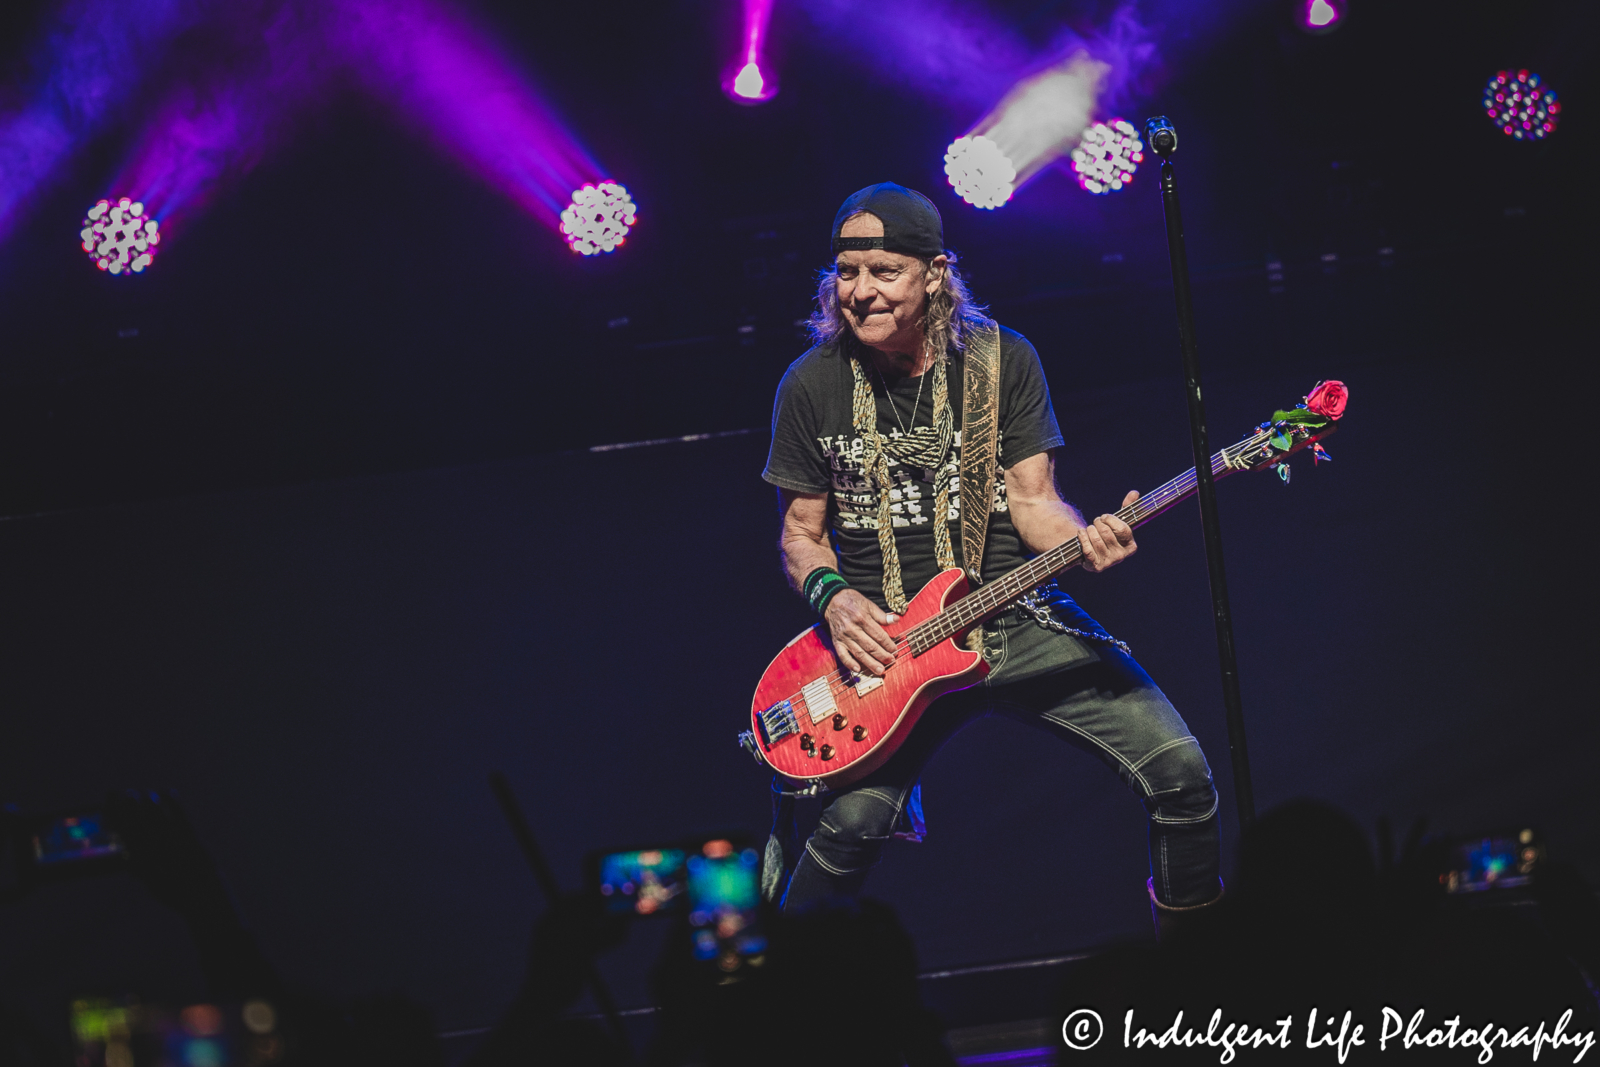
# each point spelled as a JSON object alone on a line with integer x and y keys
{"x": 867, "y": 435}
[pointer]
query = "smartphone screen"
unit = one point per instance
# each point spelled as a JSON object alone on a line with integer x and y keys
{"x": 127, "y": 1032}
{"x": 1495, "y": 862}
{"x": 74, "y": 838}
{"x": 650, "y": 881}
{"x": 724, "y": 906}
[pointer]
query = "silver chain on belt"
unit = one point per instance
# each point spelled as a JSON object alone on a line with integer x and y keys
{"x": 1031, "y": 604}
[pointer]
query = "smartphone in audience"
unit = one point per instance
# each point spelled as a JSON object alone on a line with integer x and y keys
{"x": 63, "y": 845}
{"x": 1495, "y": 861}
{"x": 641, "y": 881}
{"x": 129, "y": 1032}
{"x": 725, "y": 906}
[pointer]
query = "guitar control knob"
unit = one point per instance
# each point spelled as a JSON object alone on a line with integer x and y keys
{"x": 806, "y": 742}
{"x": 859, "y": 733}
{"x": 827, "y": 751}
{"x": 839, "y": 721}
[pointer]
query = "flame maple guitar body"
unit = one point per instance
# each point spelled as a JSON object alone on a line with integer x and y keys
{"x": 815, "y": 719}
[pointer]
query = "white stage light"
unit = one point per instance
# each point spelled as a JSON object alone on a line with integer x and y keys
{"x": 980, "y": 172}
{"x": 1107, "y": 156}
{"x": 118, "y": 236}
{"x": 598, "y": 218}
{"x": 1040, "y": 119}
{"x": 749, "y": 84}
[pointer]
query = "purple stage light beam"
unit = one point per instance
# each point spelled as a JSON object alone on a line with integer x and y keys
{"x": 447, "y": 79}
{"x": 92, "y": 57}
{"x": 439, "y": 74}
{"x": 213, "y": 129}
{"x": 950, "y": 50}
{"x": 748, "y": 83}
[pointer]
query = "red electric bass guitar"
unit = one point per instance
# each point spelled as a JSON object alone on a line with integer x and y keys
{"x": 817, "y": 721}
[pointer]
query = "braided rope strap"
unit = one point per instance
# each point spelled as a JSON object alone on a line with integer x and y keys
{"x": 980, "y": 444}
{"x": 923, "y": 447}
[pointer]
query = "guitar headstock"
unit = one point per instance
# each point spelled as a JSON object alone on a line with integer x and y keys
{"x": 1289, "y": 431}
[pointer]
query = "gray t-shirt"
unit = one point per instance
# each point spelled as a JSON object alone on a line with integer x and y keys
{"x": 815, "y": 449}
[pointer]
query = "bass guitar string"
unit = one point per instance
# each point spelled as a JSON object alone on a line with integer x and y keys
{"x": 991, "y": 598}
{"x": 1001, "y": 592}
{"x": 999, "y": 595}
{"x": 903, "y": 647}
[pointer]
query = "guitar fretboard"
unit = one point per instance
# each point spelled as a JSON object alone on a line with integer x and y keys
{"x": 991, "y": 599}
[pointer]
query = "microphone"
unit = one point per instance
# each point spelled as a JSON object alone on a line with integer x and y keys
{"x": 1160, "y": 136}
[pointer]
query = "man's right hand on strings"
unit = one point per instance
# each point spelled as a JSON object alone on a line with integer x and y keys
{"x": 859, "y": 638}
{"x": 855, "y": 622}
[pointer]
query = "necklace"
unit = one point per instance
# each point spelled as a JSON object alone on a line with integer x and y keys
{"x": 894, "y": 408}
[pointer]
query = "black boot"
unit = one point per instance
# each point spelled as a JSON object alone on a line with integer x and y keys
{"x": 1168, "y": 919}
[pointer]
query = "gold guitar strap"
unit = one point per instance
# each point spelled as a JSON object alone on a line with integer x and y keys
{"x": 980, "y": 444}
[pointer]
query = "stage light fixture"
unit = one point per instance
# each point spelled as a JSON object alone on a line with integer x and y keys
{"x": 1319, "y": 16}
{"x": 980, "y": 172}
{"x": 1521, "y": 105}
{"x": 1039, "y": 120}
{"x": 1107, "y": 156}
{"x": 119, "y": 237}
{"x": 598, "y": 218}
{"x": 747, "y": 83}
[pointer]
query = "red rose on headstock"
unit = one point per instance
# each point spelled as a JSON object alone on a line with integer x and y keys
{"x": 1328, "y": 400}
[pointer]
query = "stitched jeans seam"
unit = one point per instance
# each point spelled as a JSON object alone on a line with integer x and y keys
{"x": 1154, "y": 752}
{"x": 1190, "y": 821}
{"x": 1133, "y": 771}
{"x": 831, "y": 869}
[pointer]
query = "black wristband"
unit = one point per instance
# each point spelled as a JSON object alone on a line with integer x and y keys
{"x": 821, "y": 586}
{"x": 827, "y": 592}
{"x": 810, "y": 583}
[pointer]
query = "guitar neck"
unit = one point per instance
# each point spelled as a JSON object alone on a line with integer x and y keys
{"x": 989, "y": 600}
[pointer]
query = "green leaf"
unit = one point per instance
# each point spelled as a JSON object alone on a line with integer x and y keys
{"x": 1300, "y": 417}
{"x": 1280, "y": 442}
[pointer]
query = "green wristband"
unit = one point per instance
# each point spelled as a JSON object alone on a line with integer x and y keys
{"x": 821, "y": 586}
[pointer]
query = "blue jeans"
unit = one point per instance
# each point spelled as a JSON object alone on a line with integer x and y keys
{"x": 1088, "y": 693}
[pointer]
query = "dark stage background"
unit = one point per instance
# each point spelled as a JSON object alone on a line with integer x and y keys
{"x": 326, "y": 672}
{"x": 321, "y": 545}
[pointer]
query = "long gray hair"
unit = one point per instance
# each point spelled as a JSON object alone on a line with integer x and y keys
{"x": 949, "y": 316}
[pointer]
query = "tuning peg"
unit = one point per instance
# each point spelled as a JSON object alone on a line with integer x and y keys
{"x": 1283, "y": 471}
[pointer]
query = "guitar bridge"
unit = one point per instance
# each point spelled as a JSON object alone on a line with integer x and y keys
{"x": 865, "y": 683}
{"x": 778, "y": 722}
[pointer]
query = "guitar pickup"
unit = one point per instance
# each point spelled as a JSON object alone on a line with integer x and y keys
{"x": 819, "y": 698}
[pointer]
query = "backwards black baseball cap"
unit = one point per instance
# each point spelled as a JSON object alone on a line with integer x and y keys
{"x": 911, "y": 224}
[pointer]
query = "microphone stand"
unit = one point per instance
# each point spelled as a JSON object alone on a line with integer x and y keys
{"x": 552, "y": 891}
{"x": 1163, "y": 140}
